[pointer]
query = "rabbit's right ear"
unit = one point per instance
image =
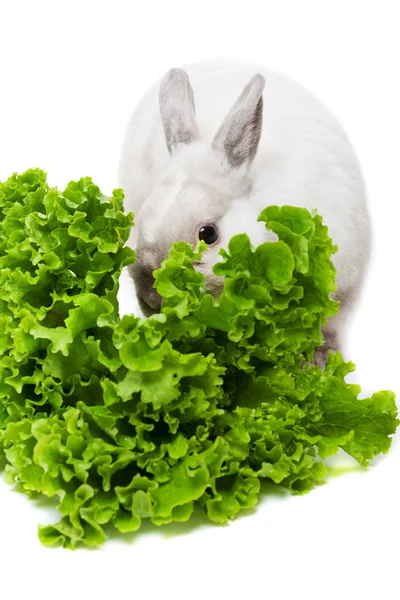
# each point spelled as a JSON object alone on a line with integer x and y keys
{"x": 240, "y": 132}
{"x": 177, "y": 109}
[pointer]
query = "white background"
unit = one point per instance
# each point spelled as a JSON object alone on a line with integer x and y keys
{"x": 70, "y": 75}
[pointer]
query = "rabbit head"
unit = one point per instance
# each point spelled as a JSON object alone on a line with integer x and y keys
{"x": 203, "y": 192}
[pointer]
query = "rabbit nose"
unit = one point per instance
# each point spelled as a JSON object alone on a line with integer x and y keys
{"x": 144, "y": 281}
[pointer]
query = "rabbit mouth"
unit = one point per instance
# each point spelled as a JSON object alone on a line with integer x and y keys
{"x": 148, "y": 297}
{"x": 150, "y": 306}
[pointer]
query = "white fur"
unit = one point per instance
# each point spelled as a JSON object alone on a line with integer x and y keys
{"x": 304, "y": 158}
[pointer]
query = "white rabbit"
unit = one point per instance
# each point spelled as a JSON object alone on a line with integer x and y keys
{"x": 204, "y": 154}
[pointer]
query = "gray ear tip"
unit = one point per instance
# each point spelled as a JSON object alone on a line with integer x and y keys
{"x": 174, "y": 78}
{"x": 176, "y": 74}
{"x": 258, "y": 82}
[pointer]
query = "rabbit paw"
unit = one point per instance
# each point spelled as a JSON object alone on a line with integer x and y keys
{"x": 322, "y": 352}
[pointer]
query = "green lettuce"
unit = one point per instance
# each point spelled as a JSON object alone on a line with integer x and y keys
{"x": 130, "y": 419}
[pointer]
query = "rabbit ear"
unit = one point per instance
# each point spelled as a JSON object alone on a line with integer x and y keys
{"x": 177, "y": 109}
{"x": 240, "y": 132}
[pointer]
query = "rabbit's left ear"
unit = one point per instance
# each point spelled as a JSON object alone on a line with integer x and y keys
{"x": 240, "y": 132}
{"x": 177, "y": 109}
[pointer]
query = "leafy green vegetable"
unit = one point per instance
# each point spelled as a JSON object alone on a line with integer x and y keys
{"x": 132, "y": 419}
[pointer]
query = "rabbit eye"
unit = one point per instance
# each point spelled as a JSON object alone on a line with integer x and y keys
{"x": 208, "y": 233}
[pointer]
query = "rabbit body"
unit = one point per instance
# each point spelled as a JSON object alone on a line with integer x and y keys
{"x": 219, "y": 141}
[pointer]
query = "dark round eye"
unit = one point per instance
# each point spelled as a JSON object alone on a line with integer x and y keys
{"x": 208, "y": 233}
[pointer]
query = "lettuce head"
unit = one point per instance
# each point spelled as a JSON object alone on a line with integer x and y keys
{"x": 124, "y": 420}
